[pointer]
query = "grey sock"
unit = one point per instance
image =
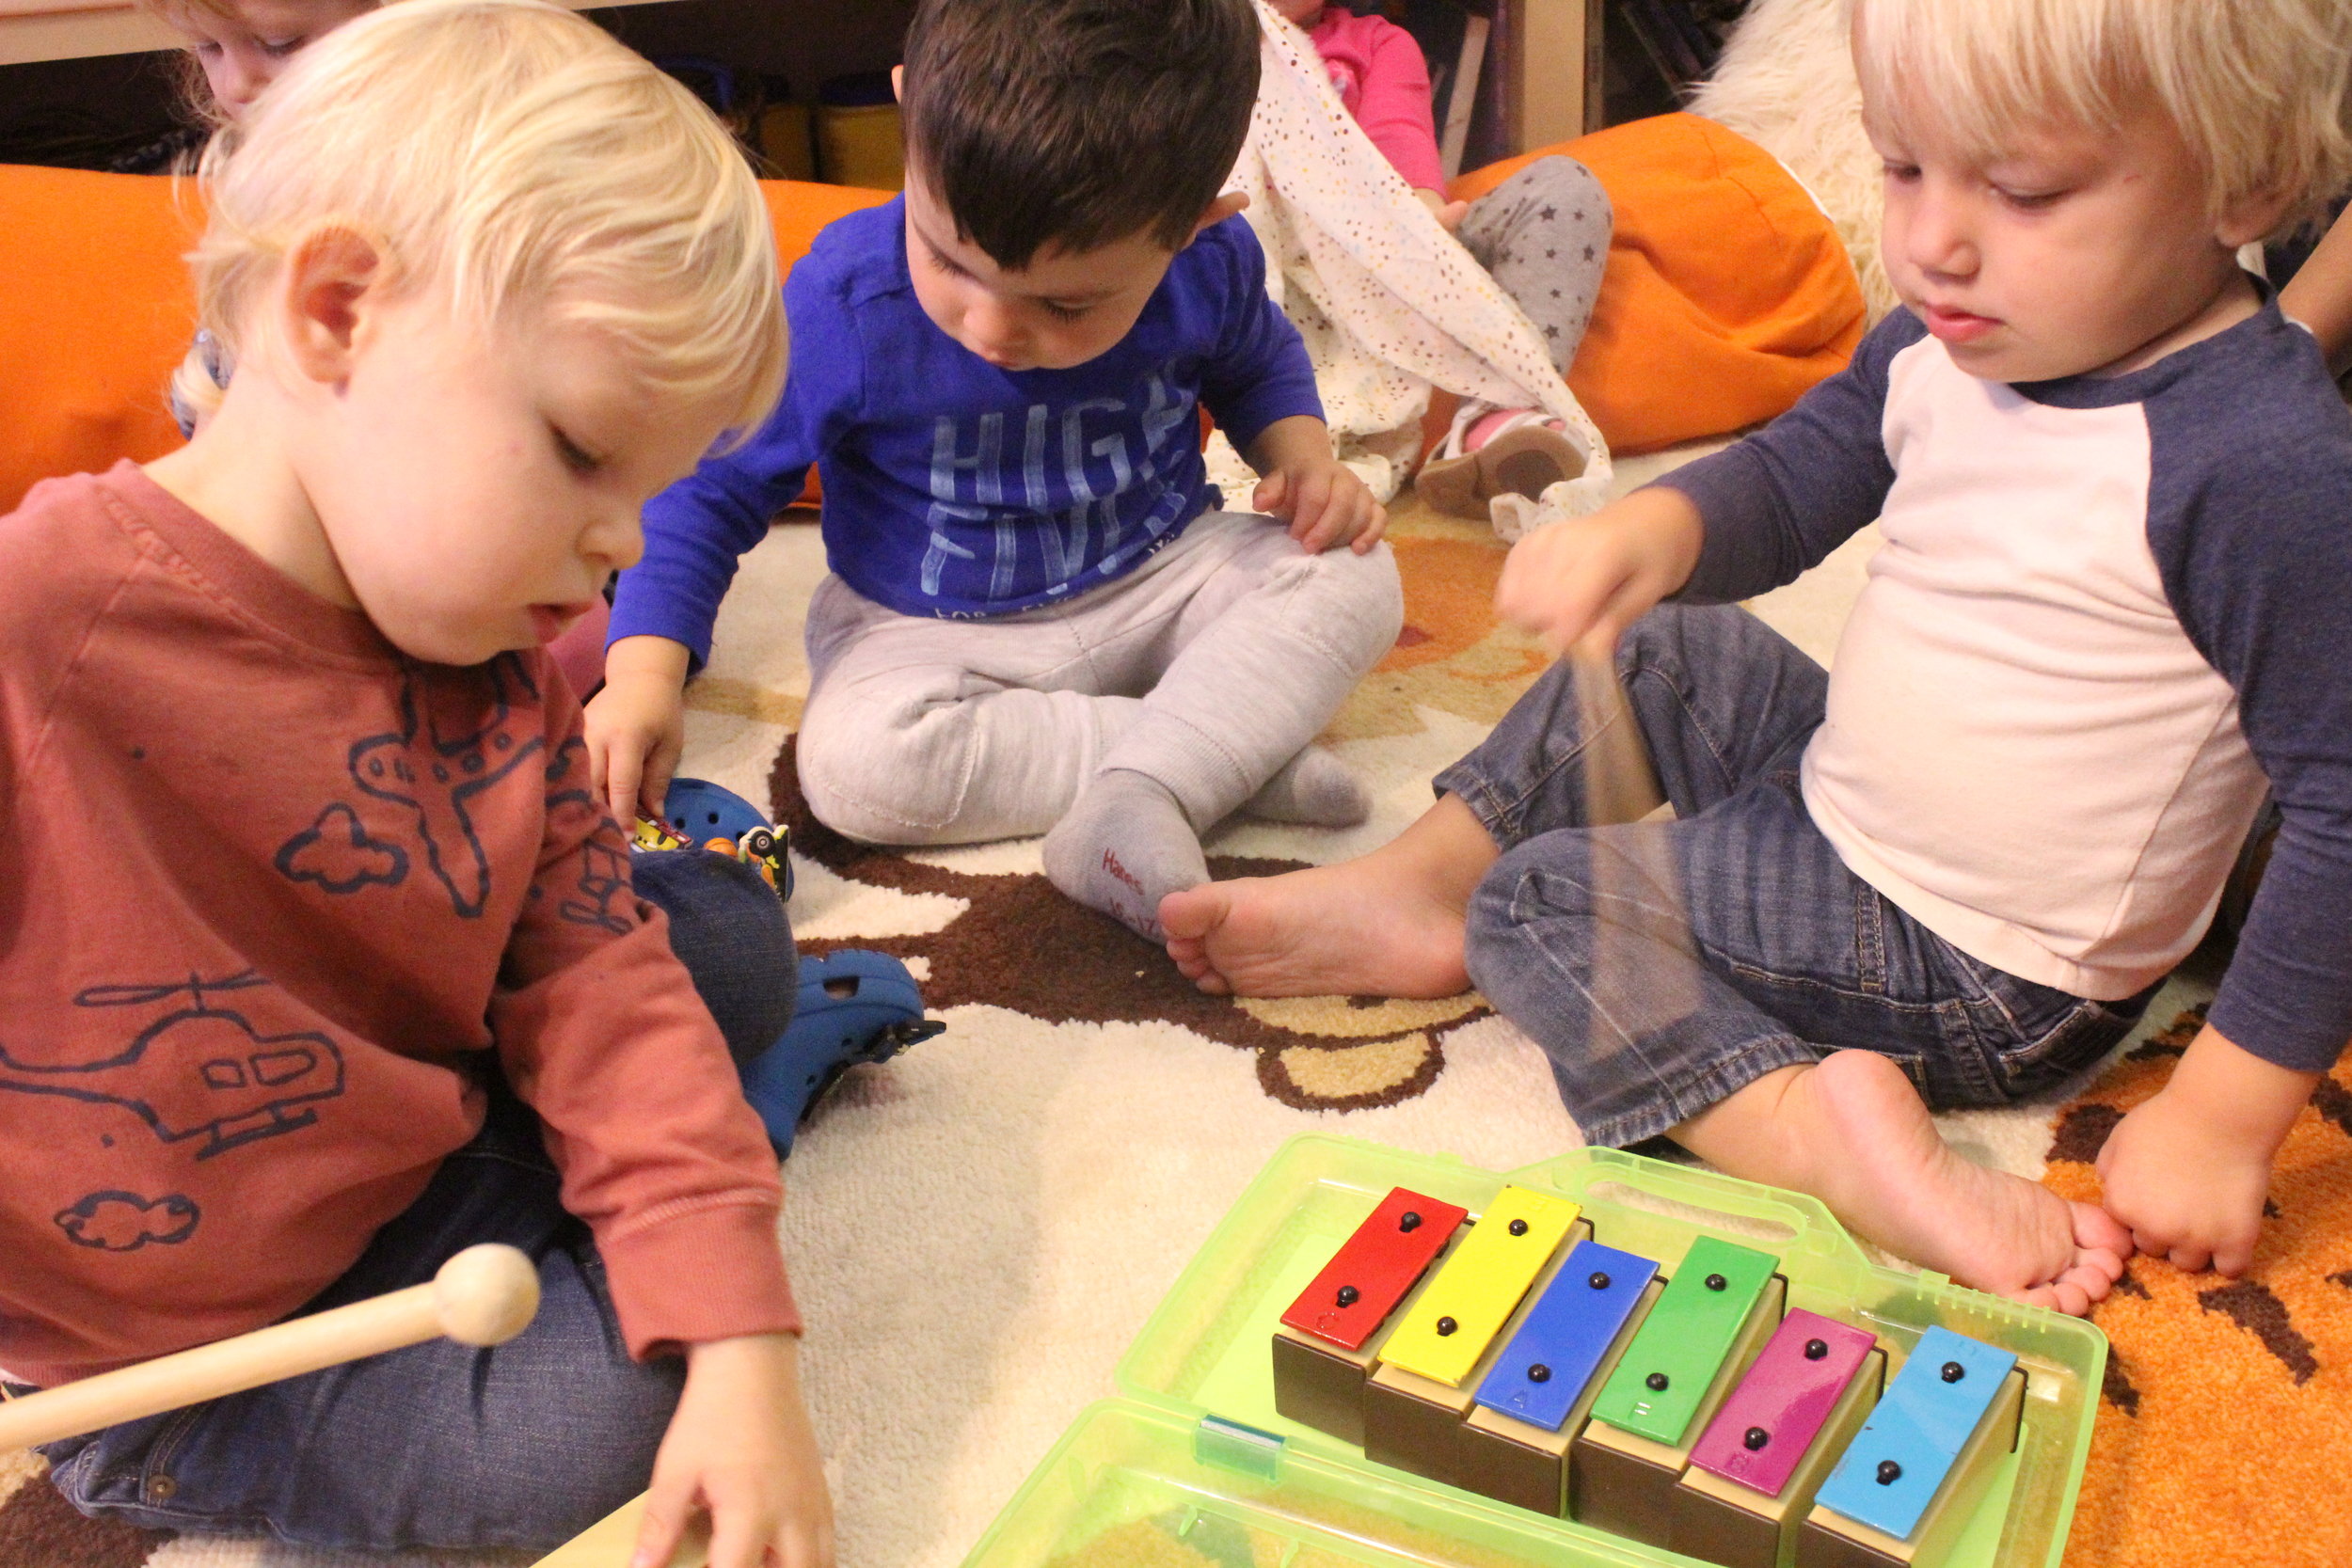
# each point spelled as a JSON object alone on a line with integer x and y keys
{"x": 1315, "y": 788}
{"x": 1125, "y": 845}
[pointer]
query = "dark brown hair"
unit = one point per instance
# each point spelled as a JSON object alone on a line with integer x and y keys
{"x": 1077, "y": 122}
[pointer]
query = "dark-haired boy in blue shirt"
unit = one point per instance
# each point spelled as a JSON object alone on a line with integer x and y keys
{"x": 1040, "y": 617}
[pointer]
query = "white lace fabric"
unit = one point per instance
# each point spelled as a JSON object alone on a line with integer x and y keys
{"x": 1389, "y": 304}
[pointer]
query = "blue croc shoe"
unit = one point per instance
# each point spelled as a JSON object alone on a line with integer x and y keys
{"x": 854, "y": 1007}
{"x": 699, "y": 815}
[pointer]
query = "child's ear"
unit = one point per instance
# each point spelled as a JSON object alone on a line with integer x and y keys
{"x": 2252, "y": 217}
{"x": 899, "y": 83}
{"x": 334, "y": 279}
{"x": 1219, "y": 210}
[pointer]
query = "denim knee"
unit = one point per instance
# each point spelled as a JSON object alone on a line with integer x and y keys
{"x": 1627, "y": 1068}
{"x": 438, "y": 1446}
{"x": 730, "y": 931}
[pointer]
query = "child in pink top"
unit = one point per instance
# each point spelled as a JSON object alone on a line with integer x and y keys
{"x": 1383, "y": 80}
{"x": 1543, "y": 234}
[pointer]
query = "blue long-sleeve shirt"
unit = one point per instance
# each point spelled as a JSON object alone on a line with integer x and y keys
{"x": 2109, "y": 610}
{"x": 956, "y": 489}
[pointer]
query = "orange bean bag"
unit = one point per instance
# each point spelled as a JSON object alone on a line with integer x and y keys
{"x": 95, "y": 310}
{"x": 1726, "y": 293}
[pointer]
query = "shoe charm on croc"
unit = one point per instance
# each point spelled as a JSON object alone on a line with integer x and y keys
{"x": 854, "y": 1007}
{"x": 700, "y": 814}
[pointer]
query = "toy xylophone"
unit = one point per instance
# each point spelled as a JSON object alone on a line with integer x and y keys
{"x": 1516, "y": 1356}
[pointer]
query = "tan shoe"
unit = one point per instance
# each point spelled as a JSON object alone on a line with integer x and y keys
{"x": 1525, "y": 454}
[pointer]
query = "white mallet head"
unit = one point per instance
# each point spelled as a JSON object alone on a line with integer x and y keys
{"x": 485, "y": 1295}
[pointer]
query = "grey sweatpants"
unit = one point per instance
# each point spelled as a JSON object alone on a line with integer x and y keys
{"x": 1206, "y": 669}
{"x": 1544, "y": 235}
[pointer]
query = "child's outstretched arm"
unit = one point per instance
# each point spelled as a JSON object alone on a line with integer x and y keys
{"x": 699, "y": 528}
{"x": 636, "y": 726}
{"x": 1579, "y": 582}
{"x": 2256, "y": 571}
{"x": 2320, "y": 295}
{"x": 741, "y": 1450}
{"x": 1733, "y": 524}
{"x": 602, "y": 1034}
{"x": 1260, "y": 386}
{"x": 2188, "y": 1170}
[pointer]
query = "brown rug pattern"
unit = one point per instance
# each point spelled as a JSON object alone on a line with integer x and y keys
{"x": 1025, "y": 947}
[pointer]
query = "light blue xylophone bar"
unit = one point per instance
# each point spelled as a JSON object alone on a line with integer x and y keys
{"x": 1907, "y": 1447}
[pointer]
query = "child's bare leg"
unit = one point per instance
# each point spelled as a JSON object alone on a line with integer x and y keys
{"x": 1387, "y": 923}
{"x": 1854, "y": 1132}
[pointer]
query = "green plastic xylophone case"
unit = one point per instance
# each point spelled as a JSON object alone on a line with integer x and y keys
{"x": 1193, "y": 1456}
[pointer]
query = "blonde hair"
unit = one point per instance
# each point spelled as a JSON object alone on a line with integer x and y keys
{"x": 195, "y": 92}
{"x": 517, "y": 159}
{"x": 2256, "y": 89}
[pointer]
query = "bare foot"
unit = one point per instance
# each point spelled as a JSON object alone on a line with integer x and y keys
{"x": 1852, "y": 1131}
{"x": 1893, "y": 1180}
{"x": 1330, "y": 931}
{"x": 1388, "y": 924}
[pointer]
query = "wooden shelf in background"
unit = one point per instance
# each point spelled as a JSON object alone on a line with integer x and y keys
{"x": 1555, "y": 45}
{"x": 69, "y": 29}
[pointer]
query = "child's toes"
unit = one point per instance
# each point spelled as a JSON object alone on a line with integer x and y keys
{"x": 1189, "y": 914}
{"x": 2092, "y": 1278}
{"x": 2096, "y": 1230}
{"x": 2059, "y": 1295}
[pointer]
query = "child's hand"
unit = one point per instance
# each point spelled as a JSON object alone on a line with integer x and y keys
{"x": 1325, "y": 504}
{"x": 2187, "y": 1171}
{"x": 1448, "y": 213}
{"x": 636, "y": 726}
{"x": 1583, "y": 580}
{"x": 1321, "y": 499}
{"x": 741, "y": 1450}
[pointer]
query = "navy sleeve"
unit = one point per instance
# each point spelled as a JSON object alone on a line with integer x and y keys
{"x": 2247, "y": 520}
{"x": 1780, "y": 501}
{"x": 1259, "y": 371}
{"x": 697, "y": 529}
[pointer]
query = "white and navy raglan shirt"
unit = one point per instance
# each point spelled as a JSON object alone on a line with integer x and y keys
{"x": 2110, "y": 613}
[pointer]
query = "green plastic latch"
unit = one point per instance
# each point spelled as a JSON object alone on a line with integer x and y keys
{"x": 1677, "y": 1352}
{"x": 1243, "y": 1450}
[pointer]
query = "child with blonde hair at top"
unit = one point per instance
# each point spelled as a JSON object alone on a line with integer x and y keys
{"x": 2109, "y": 611}
{"x": 237, "y": 47}
{"x": 240, "y": 46}
{"x": 362, "y": 980}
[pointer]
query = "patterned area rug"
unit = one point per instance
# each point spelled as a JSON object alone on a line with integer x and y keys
{"x": 979, "y": 1228}
{"x": 2224, "y": 1437}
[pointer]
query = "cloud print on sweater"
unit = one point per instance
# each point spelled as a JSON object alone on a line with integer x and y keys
{"x": 337, "y": 853}
{"x": 115, "y": 1221}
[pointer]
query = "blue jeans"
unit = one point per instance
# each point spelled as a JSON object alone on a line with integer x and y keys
{"x": 441, "y": 1445}
{"x": 729, "y": 929}
{"x": 1785, "y": 957}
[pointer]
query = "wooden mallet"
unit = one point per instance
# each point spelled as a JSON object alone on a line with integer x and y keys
{"x": 484, "y": 1295}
